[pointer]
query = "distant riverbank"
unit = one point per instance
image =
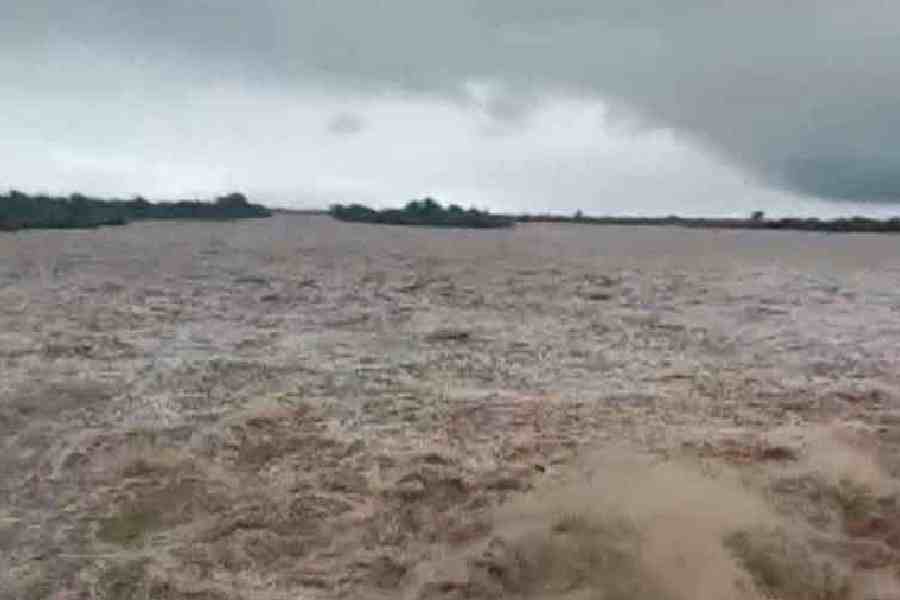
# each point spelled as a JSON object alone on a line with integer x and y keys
{"x": 430, "y": 213}
{"x": 844, "y": 225}
{"x": 22, "y": 211}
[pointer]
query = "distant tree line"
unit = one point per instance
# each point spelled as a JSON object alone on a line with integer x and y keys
{"x": 422, "y": 212}
{"x": 22, "y": 211}
{"x": 756, "y": 220}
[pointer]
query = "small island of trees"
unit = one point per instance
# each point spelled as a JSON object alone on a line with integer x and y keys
{"x": 22, "y": 211}
{"x": 427, "y": 212}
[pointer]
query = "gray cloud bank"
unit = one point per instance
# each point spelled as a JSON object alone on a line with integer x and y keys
{"x": 803, "y": 95}
{"x": 346, "y": 124}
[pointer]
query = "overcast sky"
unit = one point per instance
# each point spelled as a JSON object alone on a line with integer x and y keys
{"x": 614, "y": 107}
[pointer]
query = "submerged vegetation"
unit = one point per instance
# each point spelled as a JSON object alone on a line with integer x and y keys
{"x": 422, "y": 212}
{"x": 22, "y": 211}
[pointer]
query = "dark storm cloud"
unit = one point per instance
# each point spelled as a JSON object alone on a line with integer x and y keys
{"x": 803, "y": 94}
